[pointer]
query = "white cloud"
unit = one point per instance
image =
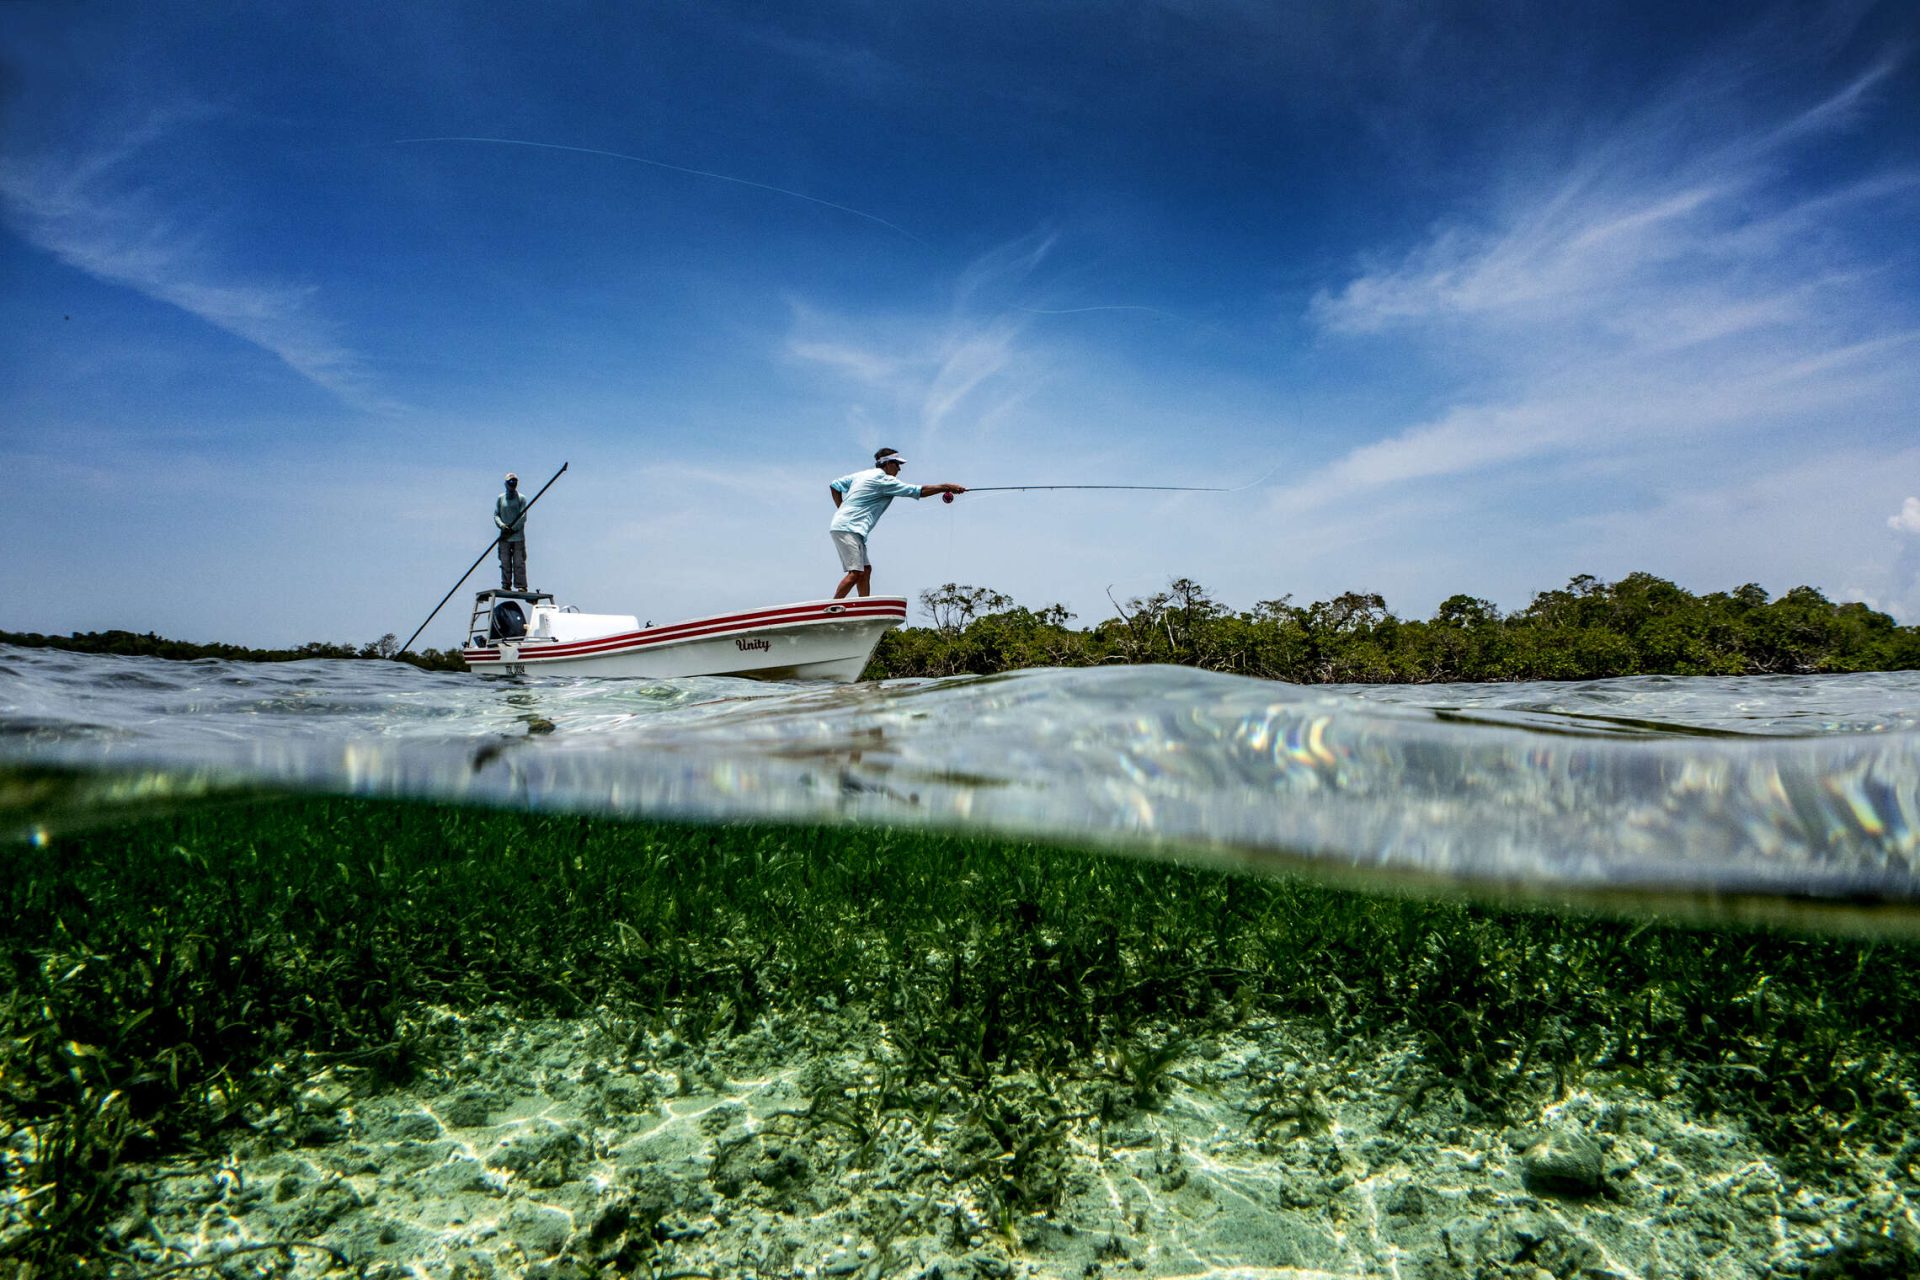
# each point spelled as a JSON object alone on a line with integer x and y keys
{"x": 1674, "y": 282}
{"x": 970, "y": 356}
{"x": 94, "y": 211}
{"x": 1908, "y": 519}
{"x": 971, "y": 364}
{"x": 870, "y": 367}
{"x": 1664, "y": 211}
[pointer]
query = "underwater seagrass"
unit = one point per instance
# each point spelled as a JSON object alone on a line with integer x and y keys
{"x": 172, "y": 979}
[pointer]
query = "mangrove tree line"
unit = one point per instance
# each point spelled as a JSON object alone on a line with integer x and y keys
{"x": 1589, "y": 629}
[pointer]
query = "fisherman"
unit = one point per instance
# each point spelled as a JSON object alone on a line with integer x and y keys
{"x": 861, "y": 499}
{"x": 510, "y": 517}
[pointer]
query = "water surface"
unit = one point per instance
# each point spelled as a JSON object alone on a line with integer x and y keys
{"x": 1793, "y": 788}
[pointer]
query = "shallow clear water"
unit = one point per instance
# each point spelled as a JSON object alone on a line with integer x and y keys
{"x": 1794, "y": 789}
{"x": 1411, "y": 1105}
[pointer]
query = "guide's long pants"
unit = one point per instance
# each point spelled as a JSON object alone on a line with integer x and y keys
{"x": 513, "y": 564}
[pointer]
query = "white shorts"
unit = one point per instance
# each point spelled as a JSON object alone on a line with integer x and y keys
{"x": 852, "y": 548}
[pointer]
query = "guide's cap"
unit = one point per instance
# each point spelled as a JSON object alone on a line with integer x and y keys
{"x": 512, "y": 478}
{"x": 891, "y": 457}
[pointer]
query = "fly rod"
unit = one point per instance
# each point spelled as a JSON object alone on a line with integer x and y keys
{"x": 476, "y": 563}
{"x": 1162, "y": 488}
{"x": 1157, "y": 488}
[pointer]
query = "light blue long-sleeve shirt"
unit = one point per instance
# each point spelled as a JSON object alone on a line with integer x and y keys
{"x": 864, "y": 497}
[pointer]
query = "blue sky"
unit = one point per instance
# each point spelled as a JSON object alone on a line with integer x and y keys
{"x": 1456, "y": 297}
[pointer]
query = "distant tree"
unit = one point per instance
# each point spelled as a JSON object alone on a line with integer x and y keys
{"x": 1348, "y": 612}
{"x": 1466, "y": 611}
{"x": 952, "y": 606}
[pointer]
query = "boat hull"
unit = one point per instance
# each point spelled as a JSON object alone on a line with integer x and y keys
{"x": 812, "y": 640}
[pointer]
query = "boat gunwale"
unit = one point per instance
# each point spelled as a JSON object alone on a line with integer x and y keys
{"x": 804, "y": 614}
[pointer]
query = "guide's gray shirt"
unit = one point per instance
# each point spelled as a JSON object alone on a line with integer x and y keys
{"x": 507, "y": 516}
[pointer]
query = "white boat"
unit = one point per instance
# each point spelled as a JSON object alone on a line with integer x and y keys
{"x": 516, "y": 632}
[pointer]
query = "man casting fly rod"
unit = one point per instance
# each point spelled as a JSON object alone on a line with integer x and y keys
{"x": 861, "y": 498}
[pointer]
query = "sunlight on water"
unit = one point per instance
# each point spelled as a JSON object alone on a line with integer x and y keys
{"x": 1803, "y": 787}
{"x": 275, "y": 1034}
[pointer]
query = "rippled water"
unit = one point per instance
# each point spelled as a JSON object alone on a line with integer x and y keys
{"x": 1789, "y": 789}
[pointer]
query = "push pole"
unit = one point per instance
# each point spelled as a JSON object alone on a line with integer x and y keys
{"x": 476, "y": 564}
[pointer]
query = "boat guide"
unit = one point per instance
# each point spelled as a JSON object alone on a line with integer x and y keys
{"x": 516, "y": 632}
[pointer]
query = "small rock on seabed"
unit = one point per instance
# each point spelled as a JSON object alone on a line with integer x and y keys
{"x": 563, "y": 1150}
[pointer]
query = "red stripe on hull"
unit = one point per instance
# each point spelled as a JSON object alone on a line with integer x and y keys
{"x": 702, "y": 628}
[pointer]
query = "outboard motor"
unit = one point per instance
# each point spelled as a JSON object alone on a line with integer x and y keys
{"x": 509, "y": 620}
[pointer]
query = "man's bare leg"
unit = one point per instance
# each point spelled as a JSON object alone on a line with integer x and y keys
{"x": 860, "y": 578}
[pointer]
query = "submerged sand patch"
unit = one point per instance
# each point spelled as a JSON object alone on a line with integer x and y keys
{"x": 576, "y": 1148}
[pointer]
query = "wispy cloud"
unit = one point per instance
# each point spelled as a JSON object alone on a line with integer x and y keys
{"x": 1907, "y": 520}
{"x": 847, "y": 65}
{"x": 859, "y": 363}
{"x": 970, "y": 363}
{"x": 970, "y": 357}
{"x": 96, "y": 211}
{"x": 709, "y": 174}
{"x": 1674, "y": 279}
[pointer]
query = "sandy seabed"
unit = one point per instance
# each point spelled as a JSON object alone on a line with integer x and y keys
{"x": 569, "y": 1149}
